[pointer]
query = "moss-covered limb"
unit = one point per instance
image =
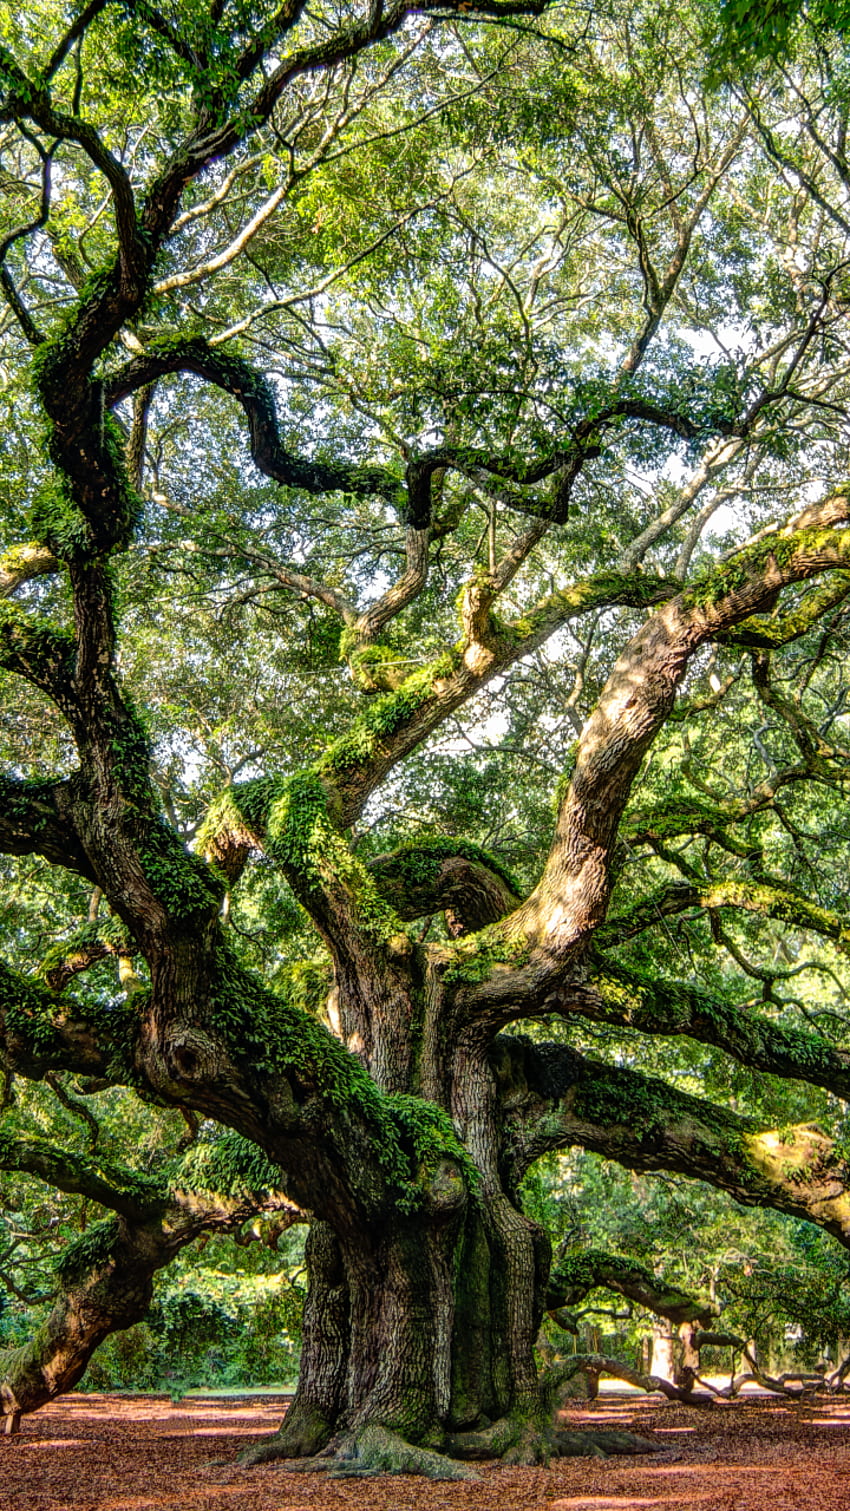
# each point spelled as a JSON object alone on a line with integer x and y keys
{"x": 293, "y": 821}
{"x": 769, "y": 896}
{"x": 41, "y": 653}
{"x": 695, "y": 815}
{"x": 40, "y": 1032}
{"x": 94, "y": 941}
{"x": 352, "y": 1153}
{"x": 225, "y": 839}
{"x": 571, "y": 900}
{"x": 553, "y": 1098}
{"x": 563, "y": 463}
{"x": 36, "y": 818}
{"x": 576, "y": 1274}
{"x": 771, "y": 632}
{"x": 441, "y": 873}
{"x": 115, "y": 1186}
{"x": 775, "y": 899}
{"x": 22, "y": 563}
{"x": 396, "y": 722}
{"x": 655, "y": 1005}
{"x": 104, "y": 1280}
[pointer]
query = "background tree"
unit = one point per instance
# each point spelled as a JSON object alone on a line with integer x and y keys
{"x": 406, "y": 405}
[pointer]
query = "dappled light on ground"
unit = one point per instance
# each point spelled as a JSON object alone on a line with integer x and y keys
{"x": 114, "y": 1453}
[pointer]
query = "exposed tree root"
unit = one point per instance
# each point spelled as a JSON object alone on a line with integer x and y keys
{"x": 601, "y": 1444}
{"x": 305, "y": 1441}
{"x": 526, "y": 1443}
{"x": 302, "y": 1434}
{"x": 376, "y": 1450}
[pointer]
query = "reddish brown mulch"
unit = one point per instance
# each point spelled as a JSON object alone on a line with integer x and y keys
{"x": 113, "y": 1453}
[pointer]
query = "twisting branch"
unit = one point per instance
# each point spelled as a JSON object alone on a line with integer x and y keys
{"x": 29, "y": 99}
{"x": 79, "y": 26}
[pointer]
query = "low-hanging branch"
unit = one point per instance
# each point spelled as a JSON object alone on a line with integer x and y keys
{"x": 575, "y": 1274}
{"x": 104, "y": 1277}
{"x": 553, "y": 1098}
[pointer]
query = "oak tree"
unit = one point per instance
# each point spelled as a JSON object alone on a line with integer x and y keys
{"x": 411, "y": 409}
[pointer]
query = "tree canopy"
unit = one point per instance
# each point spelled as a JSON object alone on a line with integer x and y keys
{"x": 423, "y": 646}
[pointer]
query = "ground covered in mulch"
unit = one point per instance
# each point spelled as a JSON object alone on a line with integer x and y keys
{"x": 114, "y": 1453}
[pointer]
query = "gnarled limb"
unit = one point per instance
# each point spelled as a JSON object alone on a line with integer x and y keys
{"x": 595, "y": 1365}
{"x": 442, "y": 874}
{"x": 553, "y": 1098}
{"x": 105, "y": 1277}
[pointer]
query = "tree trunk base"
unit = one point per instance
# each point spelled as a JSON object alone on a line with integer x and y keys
{"x": 375, "y": 1450}
{"x": 365, "y": 1454}
{"x": 302, "y": 1434}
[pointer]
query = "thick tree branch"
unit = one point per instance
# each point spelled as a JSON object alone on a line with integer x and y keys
{"x": 575, "y": 1275}
{"x": 660, "y": 1006}
{"x": 441, "y": 874}
{"x": 40, "y": 1033}
{"x": 22, "y": 564}
{"x": 36, "y": 818}
{"x": 552, "y": 1098}
{"x": 571, "y": 899}
{"x": 252, "y": 391}
{"x": 136, "y": 1197}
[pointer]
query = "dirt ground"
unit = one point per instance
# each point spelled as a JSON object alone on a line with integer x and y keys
{"x": 113, "y": 1453}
